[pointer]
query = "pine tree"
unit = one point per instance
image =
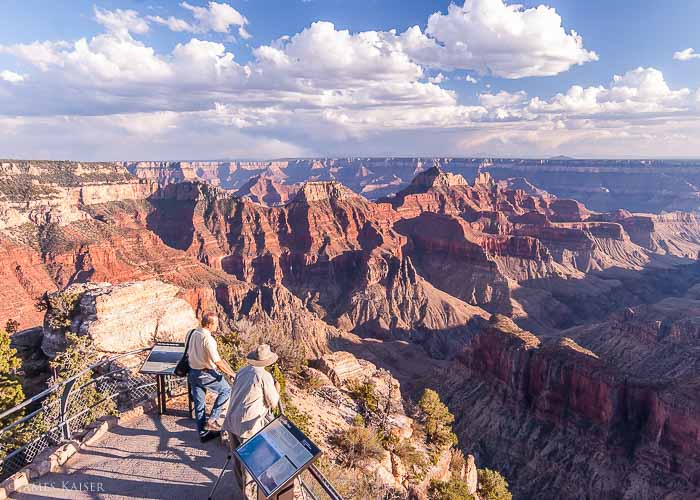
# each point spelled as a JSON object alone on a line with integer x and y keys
{"x": 493, "y": 486}
{"x": 437, "y": 419}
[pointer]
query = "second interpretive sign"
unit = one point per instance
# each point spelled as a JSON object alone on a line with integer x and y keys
{"x": 277, "y": 454}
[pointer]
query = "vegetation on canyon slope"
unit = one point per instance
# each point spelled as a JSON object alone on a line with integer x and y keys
{"x": 437, "y": 419}
{"x": 493, "y": 486}
{"x": 11, "y": 393}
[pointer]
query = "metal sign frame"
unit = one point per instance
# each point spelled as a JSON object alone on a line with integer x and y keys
{"x": 154, "y": 349}
{"x": 163, "y": 376}
{"x": 303, "y": 440}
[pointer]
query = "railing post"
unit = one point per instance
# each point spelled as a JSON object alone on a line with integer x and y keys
{"x": 63, "y": 410}
{"x": 327, "y": 487}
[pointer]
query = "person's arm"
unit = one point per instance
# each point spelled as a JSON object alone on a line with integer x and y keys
{"x": 221, "y": 364}
{"x": 226, "y": 368}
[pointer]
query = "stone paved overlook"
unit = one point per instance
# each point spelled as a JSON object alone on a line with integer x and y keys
{"x": 148, "y": 457}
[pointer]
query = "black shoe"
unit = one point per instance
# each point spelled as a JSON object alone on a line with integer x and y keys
{"x": 208, "y": 436}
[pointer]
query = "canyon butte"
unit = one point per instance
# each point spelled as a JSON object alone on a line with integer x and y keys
{"x": 564, "y": 337}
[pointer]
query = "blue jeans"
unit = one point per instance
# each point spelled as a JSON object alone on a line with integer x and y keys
{"x": 202, "y": 381}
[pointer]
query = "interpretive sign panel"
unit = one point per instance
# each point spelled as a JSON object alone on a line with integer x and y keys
{"x": 277, "y": 454}
{"x": 163, "y": 358}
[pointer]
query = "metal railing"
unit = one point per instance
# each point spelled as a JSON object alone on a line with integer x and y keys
{"x": 55, "y": 415}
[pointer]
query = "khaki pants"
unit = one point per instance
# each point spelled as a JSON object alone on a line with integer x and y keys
{"x": 244, "y": 487}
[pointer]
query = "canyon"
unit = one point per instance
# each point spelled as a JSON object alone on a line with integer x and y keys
{"x": 563, "y": 333}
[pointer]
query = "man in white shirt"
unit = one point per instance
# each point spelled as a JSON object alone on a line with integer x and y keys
{"x": 205, "y": 375}
{"x": 253, "y": 397}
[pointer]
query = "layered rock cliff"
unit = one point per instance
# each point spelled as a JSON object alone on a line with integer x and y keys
{"x": 612, "y": 429}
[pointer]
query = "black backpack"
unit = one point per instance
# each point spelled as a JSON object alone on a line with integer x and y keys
{"x": 183, "y": 366}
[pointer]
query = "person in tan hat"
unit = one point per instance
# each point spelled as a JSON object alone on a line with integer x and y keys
{"x": 253, "y": 397}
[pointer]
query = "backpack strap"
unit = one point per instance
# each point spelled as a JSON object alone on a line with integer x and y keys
{"x": 187, "y": 342}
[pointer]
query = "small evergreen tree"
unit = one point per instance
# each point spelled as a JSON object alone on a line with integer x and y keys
{"x": 493, "y": 486}
{"x": 437, "y": 419}
{"x": 78, "y": 355}
{"x": 454, "y": 489}
{"x": 11, "y": 393}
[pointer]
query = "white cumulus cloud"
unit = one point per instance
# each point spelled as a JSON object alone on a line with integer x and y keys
{"x": 121, "y": 22}
{"x": 494, "y": 38}
{"x": 686, "y": 55}
{"x": 639, "y": 91}
{"x": 437, "y": 79}
{"x": 217, "y": 17}
{"x": 11, "y": 76}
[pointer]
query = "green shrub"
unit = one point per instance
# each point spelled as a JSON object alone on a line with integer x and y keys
{"x": 278, "y": 376}
{"x": 299, "y": 418}
{"x": 230, "y": 349}
{"x": 454, "y": 489}
{"x": 354, "y": 484}
{"x": 413, "y": 460}
{"x": 359, "y": 421}
{"x": 78, "y": 355}
{"x": 60, "y": 308}
{"x": 11, "y": 393}
{"x": 365, "y": 396}
{"x": 388, "y": 439}
{"x": 437, "y": 420}
{"x": 357, "y": 445}
{"x": 492, "y": 485}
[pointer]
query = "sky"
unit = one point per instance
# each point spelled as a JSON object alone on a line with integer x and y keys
{"x": 261, "y": 79}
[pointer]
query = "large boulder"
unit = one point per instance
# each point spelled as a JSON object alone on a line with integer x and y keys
{"x": 340, "y": 367}
{"x": 118, "y": 318}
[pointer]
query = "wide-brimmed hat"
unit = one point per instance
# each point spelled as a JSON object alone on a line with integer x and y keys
{"x": 262, "y": 356}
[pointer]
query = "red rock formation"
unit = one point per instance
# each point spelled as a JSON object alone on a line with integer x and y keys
{"x": 23, "y": 278}
{"x": 595, "y": 417}
{"x": 265, "y": 190}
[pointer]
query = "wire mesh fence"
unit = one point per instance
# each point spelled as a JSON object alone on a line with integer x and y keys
{"x": 59, "y": 413}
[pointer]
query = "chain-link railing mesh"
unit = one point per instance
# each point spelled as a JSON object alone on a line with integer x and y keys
{"x": 68, "y": 409}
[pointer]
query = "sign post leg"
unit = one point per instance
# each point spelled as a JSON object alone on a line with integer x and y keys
{"x": 190, "y": 401}
{"x": 161, "y": 394}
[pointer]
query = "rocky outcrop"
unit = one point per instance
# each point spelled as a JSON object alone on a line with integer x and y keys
{"x": 668, "y": 234}
{"x": 118, "y": 318}
{"x": 332, "y": 409}
{"x": 340, "y": 367}
{"x": 267, "y": 191}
